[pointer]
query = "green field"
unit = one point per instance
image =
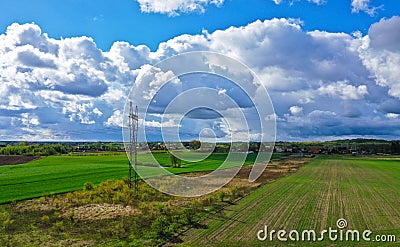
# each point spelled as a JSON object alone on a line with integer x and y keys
{"x": 365, "y": 192}
{"x": 57, "y": 174}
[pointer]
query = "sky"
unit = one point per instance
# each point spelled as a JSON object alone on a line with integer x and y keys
{"x": 331, "y": 68}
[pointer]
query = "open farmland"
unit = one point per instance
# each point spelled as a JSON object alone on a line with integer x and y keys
{"x": 57, "y": 174}
{"x": 365, "y": 192}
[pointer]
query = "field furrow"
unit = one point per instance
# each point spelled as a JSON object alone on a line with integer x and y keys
{"x": 365, "y": 193}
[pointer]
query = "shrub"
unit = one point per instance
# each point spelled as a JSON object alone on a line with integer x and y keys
{"x": 59, "y": 226}
{"x": 209, "y": 201}
{"x": 190, "y": 215}
{"x": 42, "y": 199}
{"x": 221, "y": 196}
{"x": 161, "y": 227}
{"x": 6, "y": 222}
{"x": 56, "y": 202}
{"x": 233, "y": 190}
{"x": 45, "y": 218}
{"x": 88, "y": 186}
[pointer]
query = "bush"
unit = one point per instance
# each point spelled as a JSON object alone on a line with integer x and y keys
{"x": 209, "y": 201}
{"x": 161, "y": 227}
{"x": 175, "y": 161}
{"x": 59, "y": 226}
{"x": 221, "y": 196}
{"x": 190, "y": 215}
{"x": 6, "y": 222}
{"x": 45, "y": 219}
{"x": 88, "y": 186}
{"x": 234, "y": 191}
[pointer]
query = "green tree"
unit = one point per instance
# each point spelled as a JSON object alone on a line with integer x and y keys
{"x": 175, "y": 161}
{"x": 161, "y": 227}
{"x": 195, "y": 144}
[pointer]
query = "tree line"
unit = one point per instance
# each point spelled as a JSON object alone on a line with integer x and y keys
{"x": 36, "y": 149}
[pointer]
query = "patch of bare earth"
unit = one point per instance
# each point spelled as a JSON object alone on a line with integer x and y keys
{"x": 274, "y": 170}
{"x": 71, "y": 243}
{"x": 88, "y": 212}
{"x": 16, "y": 159}
{"x": 103, "y": 211}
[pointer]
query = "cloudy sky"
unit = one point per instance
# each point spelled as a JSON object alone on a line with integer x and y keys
{"x": 331, "y": 67}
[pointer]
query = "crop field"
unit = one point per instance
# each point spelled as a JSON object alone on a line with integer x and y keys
{"x": 363, "y": 191}
{"x": 57, "y": 174}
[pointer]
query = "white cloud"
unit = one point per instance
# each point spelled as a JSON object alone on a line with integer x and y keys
{"x": 116, "y": 119}
{"x": 380, "y": 54}
{"x": 296, "y": 110}
{"x": 221, "y": 91}
{"x": 318, "y": 2}
{"x": 165, "y": 124}
{"x": 392, "y": 115}
{"x": 33, "y": 57}
{"x": 69, "y": 87}
{"x": 114, "y": 95}
{"x": 174, "y": 8}
{"x": 16, "y": 103}
{"x": 97, "y": 112}
{"x": 29, "y": 120}
{"x": 344, "y": 90}
{"x": 363, "y": 5}
{"x": 152, "y": 78}
{"x": 73, "y": 65}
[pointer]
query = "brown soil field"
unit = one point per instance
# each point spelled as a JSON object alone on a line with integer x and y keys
{"x": 16, "y": 159}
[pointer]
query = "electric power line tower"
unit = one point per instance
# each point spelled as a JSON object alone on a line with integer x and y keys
{"x": 133, "y": 132}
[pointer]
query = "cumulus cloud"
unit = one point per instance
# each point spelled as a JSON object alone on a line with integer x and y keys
{"x": 321, "y": 83}
{"x": 318, "y": 2}
{"x": 32, "y": 57}
{"x": 174, "y": 8}
{"x": 364, "y": 6}
{"x": 72, "y": 77}
{"x": 356, "y": 5}
{"x": 71, "y": 65}
{"x": 344, "y": 90}
{"x": 380, "y": 54}
{"x": 392, "y": 115}
{"x": 165, "y": 124}
{"x": 296, "y": 110}
{"x": 116, "y": 119}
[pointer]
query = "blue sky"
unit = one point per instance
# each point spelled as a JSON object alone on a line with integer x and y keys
{"x": 110, "y": 21}
{"x": 331, "y": 67}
